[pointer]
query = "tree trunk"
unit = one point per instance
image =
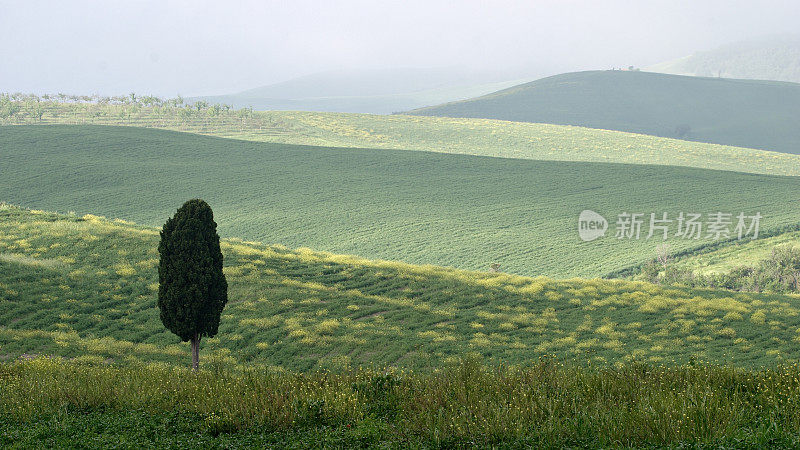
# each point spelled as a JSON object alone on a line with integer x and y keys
{"x": 195, "y": 351}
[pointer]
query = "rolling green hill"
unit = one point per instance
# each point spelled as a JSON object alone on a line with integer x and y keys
{"x": 729, "y": 257}
{"x": 83, "y": 287}
{"x": 428, "y": 208}
{"x": 769, "y": 58}
{"x": 745, "y": 113}
{"x": 482, "y": 137}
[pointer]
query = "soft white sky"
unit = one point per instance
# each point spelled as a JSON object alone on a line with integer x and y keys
{"x": 198, "y": 47}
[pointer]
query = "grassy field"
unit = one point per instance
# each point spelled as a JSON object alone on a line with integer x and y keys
{"x": 737, "y": 254}
{"x": 85, "y": 288}
{"x": 745, "y": 113}
{"x": 49, "y": 403}
{"x": 424, "y": 208}
{"x": 480, "y": 137}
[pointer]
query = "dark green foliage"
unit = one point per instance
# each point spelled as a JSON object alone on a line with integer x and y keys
{"x": 192, "y": 288}
{"x": 783, "y": 268}
{"x": 73, "y": 428}
{"x": 379, "y": 394}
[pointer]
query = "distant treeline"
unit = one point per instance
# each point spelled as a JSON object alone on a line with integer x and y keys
{"x": 130, "y": 99}
{"x": 148, "y": 110}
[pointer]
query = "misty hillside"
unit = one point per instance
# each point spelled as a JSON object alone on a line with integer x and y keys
{"x": 745, "y": 113}
{"x": 773, "y": 58}
{"x": 366, "y": 91}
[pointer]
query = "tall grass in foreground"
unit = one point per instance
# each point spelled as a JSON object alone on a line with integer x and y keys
{"x": 467, "y": 403}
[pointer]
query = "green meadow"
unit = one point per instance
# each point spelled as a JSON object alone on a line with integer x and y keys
{"x": 51, "y": 403}
{"x": 318, "y": 350}
{"x": 374, "y": 253}
{"x": 737, "y": 254}
{"x": 425, "y": 208}
{"x": 84, "y": 288}
{"x": 412, "y": 343}
{"x": 481, "y": 137}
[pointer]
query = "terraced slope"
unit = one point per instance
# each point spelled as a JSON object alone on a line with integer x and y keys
{"x": 427, "y": 208}
{"x": 85, "y": 288}
{"x": 482, "y": 137}
{"x": 745, "y": 113}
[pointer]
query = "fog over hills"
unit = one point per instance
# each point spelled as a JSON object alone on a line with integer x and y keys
{"x": 744, "y": 113}
{"x": 376, "y": 91}
{"x": 767, "y": 58}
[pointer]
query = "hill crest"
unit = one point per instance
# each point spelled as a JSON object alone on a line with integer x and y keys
{"x": 745, "y": 113}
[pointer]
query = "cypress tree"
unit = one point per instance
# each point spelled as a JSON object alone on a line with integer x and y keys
{"x": 192, "y": 289}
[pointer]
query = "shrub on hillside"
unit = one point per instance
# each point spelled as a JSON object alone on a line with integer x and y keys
{"x": 779, "y": 273}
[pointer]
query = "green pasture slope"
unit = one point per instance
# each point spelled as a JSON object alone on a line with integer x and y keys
{"x": 428, "y": 208}
{"x": 84, "y": 288}
{"x": 744, "y": 113}
{"x": 749, "y": 253}
{"x": 481, "y": 137}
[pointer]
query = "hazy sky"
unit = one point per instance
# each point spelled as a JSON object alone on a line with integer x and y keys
{"x": 197, "y": 47}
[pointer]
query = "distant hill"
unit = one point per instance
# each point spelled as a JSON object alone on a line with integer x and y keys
{"x": 771, "y": 58}
{"x": 480, "y": 137}
{"x": 745, "y": 113}
{"x": 366, "y": 91}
